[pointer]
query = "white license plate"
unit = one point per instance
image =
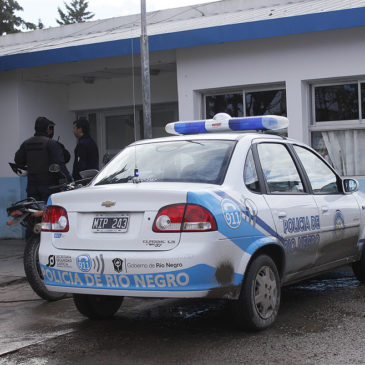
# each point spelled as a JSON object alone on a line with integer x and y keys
{"x": 110, "y": 223}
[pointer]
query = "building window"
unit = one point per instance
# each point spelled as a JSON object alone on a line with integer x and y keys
{"x": 336, "y": 102}
{"x": 338, "y": 128}
{"x": 362, "y": 90}
{"x": 247, "y": 103}
{"x": 266, "y": 102}
{"x": 231, "y": 104}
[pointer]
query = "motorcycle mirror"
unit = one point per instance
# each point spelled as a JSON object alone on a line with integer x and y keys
{"x": 19, "y": 170}
{"x": 88, "y": 173}
{"x": 54, "y": 168}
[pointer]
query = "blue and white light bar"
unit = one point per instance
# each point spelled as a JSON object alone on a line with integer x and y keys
{"x": 223, "y": 122}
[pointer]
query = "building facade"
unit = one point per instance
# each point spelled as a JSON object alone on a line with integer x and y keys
{"x": 302, "y": 59}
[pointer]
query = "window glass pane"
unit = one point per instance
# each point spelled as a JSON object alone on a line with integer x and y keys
{"x": 249, "y": 175}
{"x": 159, "y": 120}
{"x": 266, "y": 102}
{"x": 363, "y": 100}
{"x": 321, "y": 177}
{"x": 231, "y": 104}
{"x": 279, "y": 169}
{"x": 336, "y": 102}
{"x": 344, "y": 150}
{"x": 202, "y": 161}
{"x": 119, "y": 131}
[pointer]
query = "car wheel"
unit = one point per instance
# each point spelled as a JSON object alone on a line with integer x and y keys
{"x": 97, "y": 306}
{"x": 259, "y": 300}
{"x": 359, "y": 268}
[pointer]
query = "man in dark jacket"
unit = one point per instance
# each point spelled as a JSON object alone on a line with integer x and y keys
{"x": 86, "y": 151}
{"x": 36, "y": 154}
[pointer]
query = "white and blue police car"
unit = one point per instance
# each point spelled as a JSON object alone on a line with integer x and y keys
{"x": 211, "y": 212}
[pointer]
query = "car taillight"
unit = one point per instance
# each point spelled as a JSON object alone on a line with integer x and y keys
{"x": 184, "y": 218}
{"x": 55, "y": 219}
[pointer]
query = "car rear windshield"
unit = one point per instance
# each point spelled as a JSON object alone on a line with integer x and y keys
{"x": 199, "y": 161}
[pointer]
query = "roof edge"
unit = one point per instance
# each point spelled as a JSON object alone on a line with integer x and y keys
{"x": 308, "y": 23}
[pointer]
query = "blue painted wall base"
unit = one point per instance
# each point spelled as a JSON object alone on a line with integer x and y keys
{"x": 12, "y": 189}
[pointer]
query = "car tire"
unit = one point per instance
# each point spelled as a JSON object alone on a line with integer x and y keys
{"x": 97, "y": 306}
{"x": 359, "y": 268}
{"x": 33, "y": 270}
{"x": 258, "y": 304}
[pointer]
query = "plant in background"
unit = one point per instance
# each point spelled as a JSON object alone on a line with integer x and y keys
{"x": 76, "y": 13}
{"x": 9, "y": 21}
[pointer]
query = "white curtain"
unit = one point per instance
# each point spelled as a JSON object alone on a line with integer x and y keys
{"x": 346, "y": 150}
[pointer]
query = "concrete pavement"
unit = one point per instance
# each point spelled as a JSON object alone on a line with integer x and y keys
{"x": 11, "y": 261}
{"x": 14, "y": 286}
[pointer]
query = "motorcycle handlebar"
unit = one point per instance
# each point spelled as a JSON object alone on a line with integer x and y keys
{"x": 71, "y": 186}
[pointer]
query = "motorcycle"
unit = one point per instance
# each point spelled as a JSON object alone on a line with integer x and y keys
{"x": 28, "y": 213}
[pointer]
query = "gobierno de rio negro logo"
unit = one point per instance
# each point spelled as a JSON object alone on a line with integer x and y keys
{"x": 339, "y": 220}
{"x": 84, "y": 262}
{"x": 339, "y": 224}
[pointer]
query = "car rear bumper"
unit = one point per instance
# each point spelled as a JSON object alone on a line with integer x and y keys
{"x": 202, "y": 269}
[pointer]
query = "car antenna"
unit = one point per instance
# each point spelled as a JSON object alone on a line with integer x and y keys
{"x": 136, "y": 172}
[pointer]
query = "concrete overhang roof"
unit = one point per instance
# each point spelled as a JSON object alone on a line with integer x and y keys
{"x": 212, "y": 23}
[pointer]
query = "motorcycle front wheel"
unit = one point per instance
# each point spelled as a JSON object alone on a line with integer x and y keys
{"x": 33, "y": 270}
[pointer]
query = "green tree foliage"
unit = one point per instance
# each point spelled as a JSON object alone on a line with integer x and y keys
{"x": 76, "y": 12}
{"x": 9, "y": 21}
{"x": 40, "y": 24}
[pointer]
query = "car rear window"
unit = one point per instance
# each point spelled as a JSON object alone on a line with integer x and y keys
{"x": 200, "y": 161}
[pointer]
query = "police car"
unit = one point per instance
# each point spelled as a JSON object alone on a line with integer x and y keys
{"x": 212, "y": 212}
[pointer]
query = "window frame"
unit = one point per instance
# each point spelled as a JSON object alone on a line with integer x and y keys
{"x": 255, "y": 157}
{"x": 301, "y": 172}
{"x": 338, "y": 124}
{"x": 242, "y": 91}
{"x": 338, "y": 178}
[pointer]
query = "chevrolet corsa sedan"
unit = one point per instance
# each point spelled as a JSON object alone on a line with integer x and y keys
{"x": 219, "y": 215}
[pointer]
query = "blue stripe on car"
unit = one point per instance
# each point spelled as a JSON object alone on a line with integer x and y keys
{"x": 246, "y": 236}
{"x": 199, "y": 277}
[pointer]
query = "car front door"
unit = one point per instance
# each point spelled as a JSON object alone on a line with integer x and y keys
{"x": 294, "y": 210}
{"x": 339, "y": 213}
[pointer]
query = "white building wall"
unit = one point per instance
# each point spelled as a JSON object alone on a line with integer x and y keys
{"x": 9, "y": 119}
{"x": 293, "y": 60}
{"x": 10, "y": 185}
{"x": 48, "y": 100}
{"x": 20, "y": 104}
{"x": 116, "y": 93}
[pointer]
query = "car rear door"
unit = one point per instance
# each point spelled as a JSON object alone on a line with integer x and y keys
{"x": 294, "y": 210}
{"x": 339, "y": 213}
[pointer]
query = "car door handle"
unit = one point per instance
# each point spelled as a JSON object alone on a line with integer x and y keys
{"x": 281, "y": 215}
{"x": 324, "y": 209}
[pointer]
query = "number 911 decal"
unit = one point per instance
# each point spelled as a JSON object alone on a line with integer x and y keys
{"x": 231, "y": 213}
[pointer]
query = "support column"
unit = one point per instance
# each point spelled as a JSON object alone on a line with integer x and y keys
{"x": 298, "y": 104}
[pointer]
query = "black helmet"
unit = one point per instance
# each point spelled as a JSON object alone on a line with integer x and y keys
{"x": 42, "y": 123}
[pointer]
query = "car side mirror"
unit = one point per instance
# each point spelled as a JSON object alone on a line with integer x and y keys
{"x": 88, "y": 174}
{"x": 350, "y": 185}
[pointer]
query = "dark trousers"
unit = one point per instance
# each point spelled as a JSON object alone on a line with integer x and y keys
{"x": 38, "y": 192}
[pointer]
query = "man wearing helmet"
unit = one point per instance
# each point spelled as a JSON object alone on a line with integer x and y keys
{"x": 37, "y": 154}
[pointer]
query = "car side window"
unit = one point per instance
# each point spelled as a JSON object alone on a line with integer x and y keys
{"x": 250, "y": 175}
{"x": 321, "y": 177}
{"x": 279, "y": 169}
